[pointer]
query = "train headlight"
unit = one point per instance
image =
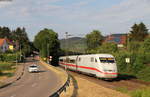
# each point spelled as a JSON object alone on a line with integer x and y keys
{"x": 105, "y": 70}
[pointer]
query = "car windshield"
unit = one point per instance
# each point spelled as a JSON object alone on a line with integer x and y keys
{"x": 107, "y": 60}
{"x": 33, "y": 66}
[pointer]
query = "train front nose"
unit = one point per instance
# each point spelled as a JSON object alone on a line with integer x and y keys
{"x": 110, "y": 71}
{"x": 110, "y": 75}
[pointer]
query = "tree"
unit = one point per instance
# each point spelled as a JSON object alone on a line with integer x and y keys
{"x": 20, "y": 35}
{"x": 138, "y": 32}
{"x": 5, "y": 32}
{"x": 146, "y": 45}
{"x": 46, "y": 41}
{"x": 107, "y": 48}
{"x": 94, "y": 39}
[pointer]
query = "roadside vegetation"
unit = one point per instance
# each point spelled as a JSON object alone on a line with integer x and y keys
{"x": 22, "y": 47}
{"x": 6, "y": 70}
{"x": 46, "y": 41}
{"x": 137, "y": 49}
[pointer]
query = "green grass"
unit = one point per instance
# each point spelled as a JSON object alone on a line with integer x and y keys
{"x": 122, "y": 89}
{"x": 4, "y": 66}
{"x": 141, "y": 93}
{"x": 144, "y": 92}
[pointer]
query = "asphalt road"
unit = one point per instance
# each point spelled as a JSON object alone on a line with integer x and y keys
{"x": 41, "y": 84}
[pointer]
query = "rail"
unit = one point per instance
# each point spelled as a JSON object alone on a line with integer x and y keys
{"x": 63, "y": 88}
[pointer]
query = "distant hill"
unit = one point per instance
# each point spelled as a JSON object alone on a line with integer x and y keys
{"x": 74, "y": 44}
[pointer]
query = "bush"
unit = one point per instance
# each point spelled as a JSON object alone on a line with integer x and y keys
{"x": 146, "y": 45}
{"x": 6, "y": 66}
{"x": 134, "y": 46}
{"x": 123, "y": 67}
{"x": 9, "y": 57}
{"x": 144, "y": 74}
{"x": 147, "y": 58}
{"x": 107, "y": 48}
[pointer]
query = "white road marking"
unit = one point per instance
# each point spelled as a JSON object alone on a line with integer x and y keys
{"x": 13, "y": 95}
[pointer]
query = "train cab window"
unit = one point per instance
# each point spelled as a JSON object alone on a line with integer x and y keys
{"x": 107, "y": 60}
{"x": 92, "y": 59}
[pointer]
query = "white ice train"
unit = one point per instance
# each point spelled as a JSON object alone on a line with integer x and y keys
{"x": 99, "y": 65}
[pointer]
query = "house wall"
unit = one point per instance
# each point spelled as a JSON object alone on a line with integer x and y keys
{"x": 4, "y": 47}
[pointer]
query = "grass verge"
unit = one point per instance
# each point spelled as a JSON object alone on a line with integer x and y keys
{"x": 144, "y": 92}
{"x": 6, "y": 70}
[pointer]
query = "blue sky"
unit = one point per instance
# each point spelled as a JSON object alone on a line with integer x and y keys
{"x": 78, "y": 17}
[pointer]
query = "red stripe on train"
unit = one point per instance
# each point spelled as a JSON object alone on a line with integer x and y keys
{"x": 90, "y": 68}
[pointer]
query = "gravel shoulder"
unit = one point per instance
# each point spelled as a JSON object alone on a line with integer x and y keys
{"x": 81, "y": 87}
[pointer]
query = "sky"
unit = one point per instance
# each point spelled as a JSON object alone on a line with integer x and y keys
{"x": 77, "y": 17}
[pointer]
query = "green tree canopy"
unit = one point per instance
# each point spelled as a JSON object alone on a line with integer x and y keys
{"x": 94, "y": 39}
{"x": 5, "y": 32}
{"x": 146, "y": 45}
{"x": 138, "y": 32}
{"x": 20, "y": 35}
{"x": 48, "y": 44}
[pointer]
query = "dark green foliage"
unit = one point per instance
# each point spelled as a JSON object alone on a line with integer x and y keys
{"x": 74, "y": 45}
{"x": 144, "y": 73}
{"x": 21, "y": 37}
{"x": 11, "y": 57}
{"x": 107, "y": 48}
{"x": 5, "y": 32}
{"x": 134, "y": 46}
{"x": 147, "y": 58}
{"x": 121, "y": 64}
{"x": 17, "y": 36}
{"x": 146, "y": 45}
{"x": 48, "y": 44}
{"x": 6, "y": 66}
{"x": 94, "y": 39}
{"x": 138, "y": 32}
{"x": 138, "y": 63}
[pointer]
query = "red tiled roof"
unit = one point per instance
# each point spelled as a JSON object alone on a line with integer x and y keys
{"x": 2, "y": 41}
{"x": 7, "y": 40}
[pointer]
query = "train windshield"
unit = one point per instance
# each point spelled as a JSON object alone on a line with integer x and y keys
{"x": 107, "y": 60}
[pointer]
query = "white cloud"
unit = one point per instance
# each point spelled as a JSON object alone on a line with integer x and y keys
{"x": 4, "y": 4}
{"x": 77, "y": 17}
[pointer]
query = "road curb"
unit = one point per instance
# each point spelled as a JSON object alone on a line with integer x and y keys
{"x": 13, "y": 79}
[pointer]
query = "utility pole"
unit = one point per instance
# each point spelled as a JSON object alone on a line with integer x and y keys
{"x": 20, "y": 52}
{"x": 66, "y": 44}
{"x": 47, "y": 52}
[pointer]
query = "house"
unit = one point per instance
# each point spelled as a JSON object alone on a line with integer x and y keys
{"x": 4, "y": 46}
{"x": 119, "y": 39}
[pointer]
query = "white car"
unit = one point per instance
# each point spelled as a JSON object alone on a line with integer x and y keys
{"x": 33, "y": 68}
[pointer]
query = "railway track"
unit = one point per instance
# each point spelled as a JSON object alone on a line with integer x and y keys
{"x": 123, "y": 81}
